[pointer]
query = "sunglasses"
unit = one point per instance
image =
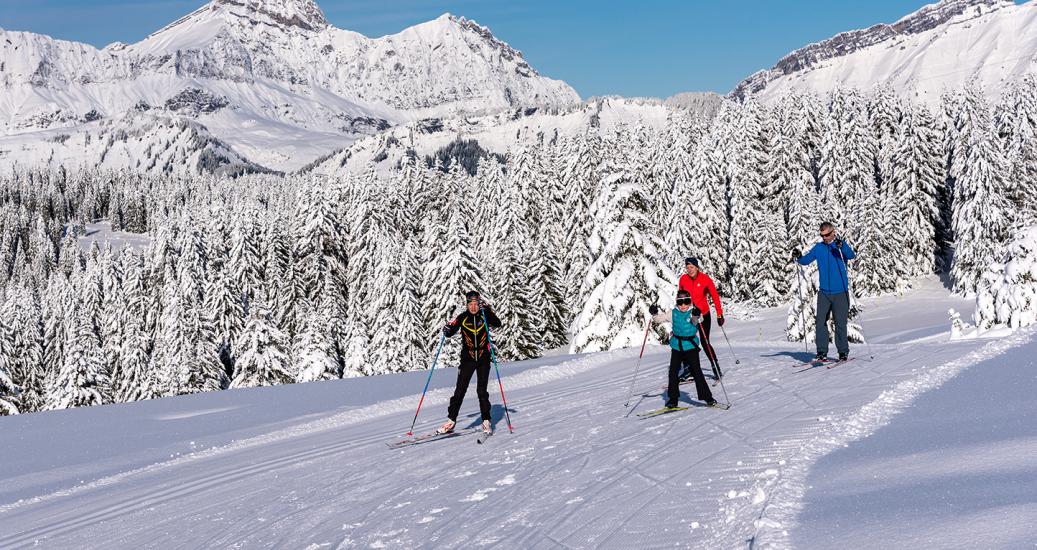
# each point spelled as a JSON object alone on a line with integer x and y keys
{"x": 826, "y": 235}
{"x": 684, "y": 301}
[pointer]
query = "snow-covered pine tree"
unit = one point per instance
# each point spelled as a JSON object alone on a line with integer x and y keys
{"x": 1007, "y": 292}
{"x": 80, "y": 380}
{"x": 449, "y": 269}
{"x": 313, "y": 352}
{"x": 22, "y": 316}
{"x": 9, "y": 392}
{"x": 754, "y": 232}
{"x": 263, "y": 358}
{"x": 1016, "y": 121}
{"x": 245, "y": 263}
{"x": 627, "y": 273}
{"x": 982, "y": 213}
{"x": 915, "y": 179}
{"x": 579, "y": 179}
{"x": 697, "y": 222}
{"x": 847, "y": 163}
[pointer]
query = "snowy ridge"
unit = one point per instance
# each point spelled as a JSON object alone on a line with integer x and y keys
{"x": 292, "y": 83}
{"x": 499, "y": 133}
{"x": 939, "y": 47}
{"x": 783, "y": 489}
{"x": 142, "y": 142}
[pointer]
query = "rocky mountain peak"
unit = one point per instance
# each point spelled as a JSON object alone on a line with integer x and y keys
{"x": 305, "y": 14}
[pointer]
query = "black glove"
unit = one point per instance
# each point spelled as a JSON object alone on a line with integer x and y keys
{"x": 446, "y": 330}
{"x": 796, "y": 255}
{"x": 653, "y": 309}
{"x": 720, "y": 320}
{"x": 696, "y": 316}
{"x": 839, "y": 243}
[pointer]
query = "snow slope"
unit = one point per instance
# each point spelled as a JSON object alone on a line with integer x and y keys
{"x": 306, "y": 466}
{"x": 956, "y": 471}
{"x": 940, "y": 47}
{"x": 262, "y": 74}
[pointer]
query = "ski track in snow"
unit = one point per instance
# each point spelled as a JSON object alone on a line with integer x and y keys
{"x": 580, "y": 471}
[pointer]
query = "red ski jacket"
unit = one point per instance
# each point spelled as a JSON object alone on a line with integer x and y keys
{"x": 698, "y": 287}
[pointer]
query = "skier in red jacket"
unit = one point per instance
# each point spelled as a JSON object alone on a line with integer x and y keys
{"x": 698, "y": 284}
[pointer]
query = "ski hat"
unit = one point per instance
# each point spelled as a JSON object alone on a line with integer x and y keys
{"x": 691, "y": 261}
{"x": 471, "y": 295}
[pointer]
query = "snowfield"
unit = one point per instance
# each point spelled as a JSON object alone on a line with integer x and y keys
{"x": 307, "y": 466}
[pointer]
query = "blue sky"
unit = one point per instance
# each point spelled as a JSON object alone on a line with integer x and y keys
{"x": 631, "y": 48}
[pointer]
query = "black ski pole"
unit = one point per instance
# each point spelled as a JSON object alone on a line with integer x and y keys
{"x": 799, "y": 291}
{"x": 720, "y": 379}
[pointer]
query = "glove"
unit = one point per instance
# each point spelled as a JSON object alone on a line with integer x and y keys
{"x": 839, "y": 243}
{"x": 696, "y": 316}
{"x": 446, "y": 330}
{"x": 720, "y": 320}
{"x": 653, "y": 309}
{"x": 796, "y": 255}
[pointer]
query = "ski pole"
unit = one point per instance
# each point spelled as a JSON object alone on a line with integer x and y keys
{"x": 719, "y": 378}
{"x": 737, "y": 360}
{"x": 442, "y": 338}
{"x": 850, "y": 299}
{"x": 493, "y": 356}
{"x": 630, "y": 393}
{"x": 799, "y": 291}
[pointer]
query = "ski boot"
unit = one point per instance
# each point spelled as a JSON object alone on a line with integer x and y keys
{"x": 820, "y": 357}
{"x": 446, "y": 428}
{"x": 486, "y": 427}
{"x": 844, "y": 356}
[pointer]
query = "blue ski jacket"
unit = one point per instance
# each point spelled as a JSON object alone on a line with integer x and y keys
{"x": 831, "y": 268}
{"x": 684, "y": 335}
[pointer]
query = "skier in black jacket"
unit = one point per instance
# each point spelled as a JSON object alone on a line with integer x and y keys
{"x": 475, "y": 358}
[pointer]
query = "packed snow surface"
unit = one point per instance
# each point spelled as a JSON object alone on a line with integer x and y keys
{"x": 307, "y": 465}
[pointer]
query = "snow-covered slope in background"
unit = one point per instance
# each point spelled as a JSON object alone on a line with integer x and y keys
{"x": 580, "y": 471}
{"x": 263, "y": 72}
{"x": 498, "y": 133}
{"x": 939, "y": 47}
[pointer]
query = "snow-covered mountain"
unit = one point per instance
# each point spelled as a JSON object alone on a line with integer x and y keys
{"x": 941, "y": 46}
{"x": 272, "y": 78}
{"x": 498, "y": 133}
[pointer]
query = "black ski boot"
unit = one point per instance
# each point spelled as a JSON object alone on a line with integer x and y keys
{"x": 821, "y": 357}
{"x": 844, "y": 356}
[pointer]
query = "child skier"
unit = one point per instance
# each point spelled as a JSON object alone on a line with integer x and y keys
{"x": 475, "y": 359}
{"x": 684, "y": 348}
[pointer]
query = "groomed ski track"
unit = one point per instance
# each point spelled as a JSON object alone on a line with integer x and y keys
{"x": 580, "y": 471}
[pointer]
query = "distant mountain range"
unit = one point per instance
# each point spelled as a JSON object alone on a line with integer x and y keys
{"x": 939, "y": 47}
{"x": 270, "y": 78}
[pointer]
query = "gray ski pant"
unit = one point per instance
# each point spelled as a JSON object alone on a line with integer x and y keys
{"x": 839, "y": 306}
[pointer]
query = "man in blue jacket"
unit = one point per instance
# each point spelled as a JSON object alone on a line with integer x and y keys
{"x": 831, "y": 255}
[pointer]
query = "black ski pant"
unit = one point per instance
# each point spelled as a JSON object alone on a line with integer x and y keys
{"x": 689, "y": 359}
{"x": 839, "y": 306}
{"x": 469, "y": 366}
